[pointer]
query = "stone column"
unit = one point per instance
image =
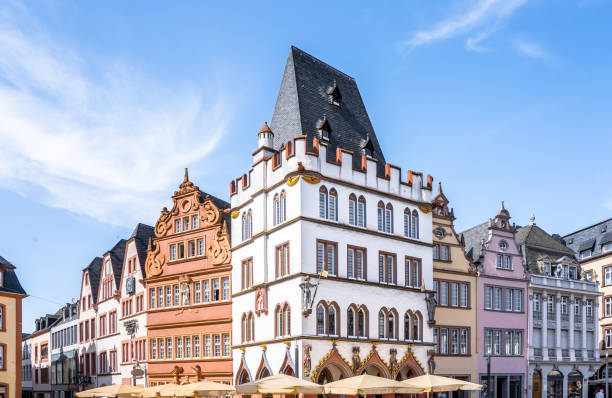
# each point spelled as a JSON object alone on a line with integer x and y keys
{"x": 544, "y": 326}
{"x": 558, "y": 327}
{"x": 571, "y": 327}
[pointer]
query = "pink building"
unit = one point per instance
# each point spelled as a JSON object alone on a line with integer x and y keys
{"x": 502, "y": 321}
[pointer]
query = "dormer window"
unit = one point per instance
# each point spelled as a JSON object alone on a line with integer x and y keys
{"x": 368, "y": 148}
{"x": 324, "y": 128}
{"x": 1, "y": 278}
{"x": 586, "y": 253}
{"x": 333, "y": 92}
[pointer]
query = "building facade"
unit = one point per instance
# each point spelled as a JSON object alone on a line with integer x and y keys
{"x": 65, "y": 352}
{"x": 188, "y": 270}
{"x": 11, "y": 296}
{"x": 455, "y": 331}
{"x": 41, "y": 363}
{"x": 593, "y": 249}
{"x": 562, "y": 318}
{"x": 502, "y": 309}
{"x": 332, "y": 249}
{"x": 26, "y": 366}
{"x": 132, "y": 313}
{"x": 87, "y": 376}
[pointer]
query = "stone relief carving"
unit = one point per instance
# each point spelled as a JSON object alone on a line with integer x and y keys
{"x": 307, "y": 363}
{"x": 219, "y": 248}
{"x": 155, "y": 260}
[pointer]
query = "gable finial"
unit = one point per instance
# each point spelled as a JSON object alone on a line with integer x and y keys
{"x": 532, "y": 219}
{"x": 439, "y": 187}
{"x": 502, "y": 206}
{"x": 186, "y": 178}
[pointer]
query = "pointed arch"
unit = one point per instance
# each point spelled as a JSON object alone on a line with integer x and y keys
{"x": 417, "y": 326}
{"x": 264, "y": 369}
{"x": 389, "y": 218}
{"x": 408, "y": 325}
{"x": 287, "y": 366}
{"x": 374, "y": 361}
{"x": 333, "y": 365}
{"x": 276, "y": 210}
{"x": 407, "y": 218}
{"x": 381, "y": 216}
{"x": 361, "y": 212}
{"x": 363, "y": 322}
{"x": 392, "y": 324}
{"x": 382, "y": 323}
{"x": 244, "y": 328}
{"x": 243, "y": 374}
{"x": 323, "y": 201}
{"x": 286, "y": 319}
{"x": 351, "y": 320}
{"x": 352, "y": 209}
{"x": 414, "y": 225}
{"x": 333, "y": 319}
{"x": 283, "y": 206}
{"x": 321, "y": 317}
{"x": 278, "y": 321}
{"x": 409, "y": 365}
{"x": 332, "y": 207}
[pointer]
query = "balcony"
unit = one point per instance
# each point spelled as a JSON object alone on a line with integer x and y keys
{"x": 537, "y": 353}
{"x": 563, "y": 283}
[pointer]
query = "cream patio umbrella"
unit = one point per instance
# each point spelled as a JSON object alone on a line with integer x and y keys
{"x": 279, "y": 384}
{"x": 152, "y": 392}
{"x": 432, "y": 383}
{"x": 368, "y": 384}
{"x": 199, "y": 389}
{"x": 113, "y": 390}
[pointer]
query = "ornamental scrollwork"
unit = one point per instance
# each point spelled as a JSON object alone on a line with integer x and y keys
{"x": 211, "y": 213}
{"x": 219, "y": 248}
{"x": 155, "y": 261}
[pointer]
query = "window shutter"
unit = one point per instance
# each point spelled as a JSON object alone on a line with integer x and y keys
{"x": 351, "y": 263}
{"x": 320, "y": 257}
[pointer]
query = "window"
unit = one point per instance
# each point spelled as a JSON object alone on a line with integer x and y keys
{"x": 464, "y": 342}
{"x": 416, "y": 326}
{"x": 206, "y": 288}
{"x": 586, "y": 253}
{"x": 207, "y": 345}
{"x": 608, "y": 275}
{"x": 436, "y": 252}
{"x": 332, "y": 321}
{"x": 191, "y": 248}
{"x": 454, "y": 342}
{"x": 328, "y": 203}
{"x": 497, "y": 297}
{"x": 414, "y": 225}
{"x": 386, "y": 268}
{"x": 320, "y": 319}
{"x": 226, "y": 345}
{"x": 564, "y": 305}
{"x": 443, "y": 341}
{"x": 504, "y": 261}
{"x": 362, "y": 322}
{"x": 282, "y": 260}
{"x": 279, "y": 211}
{"x": 217, "y": 345}
{"x": 215, "y": 290}
{"x": 355, "y": 259}
{"x": 385, "y": 217}
{"x": 187, "y": 344}
{"x": 181, "y": 251}
{"x": 197, "y": 293}
{"x": 412, "y": 272}
{"x": 247, "y": 224}
{"x": 407, "y": 218}
{"x": 608, "y": 306}
{"x": 177, "y": 226}
{"x": 391, "y": 325}
{"x": 381, "y": 325}
{"x": 488, "y": 298}
{"x": 444, "y": 253}
{"x": 326, "y": 257}
{"x": 589, "y": 308}
{"x": 153, "y": 347}
{"x": 226, "y": 289}
{"x": 357, "y": 211}
{"x": 606, "y": 247}
{"x": 169, "y": 348}
{"x": 443, "y": 293}
{"x": 196, "y": 346}
{"x": 508, "y": 300}
{"x": 247, "y": 273}
{"x": 350, "y": 319}
{"x": 200, "y": 247}
{"x": 551, "y": 304}
{"x": 186, "y": 224}
{"x": 506, "y": 342}
{"x": 195, "y": 222}
{"x": 176, "y": 300}
{"x": 464, "y": 295}
{"x": 608, "y": 338}
{"x": 518, "y": 300}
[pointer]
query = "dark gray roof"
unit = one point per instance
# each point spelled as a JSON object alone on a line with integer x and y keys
{"x": 116, "y": 257}
{"x": 586, "y": 245}
{"x": 537, "y": 244}
{"x": 94, "y": 269}
{"x": 303, "y": 101}
{"x": 583, "y": 237}
{"x": 141, "y": 235}
{"x": 11, "y": 282}
{"x": 606, "y": 238}
{"x": 473, "y": 238}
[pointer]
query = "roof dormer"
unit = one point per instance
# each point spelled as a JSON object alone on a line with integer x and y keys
{"x": 324, "y": 129}
{"x": 334, "y": 96}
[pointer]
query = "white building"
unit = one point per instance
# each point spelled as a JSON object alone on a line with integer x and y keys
{"x": 26, "y": 367}
{"x": 133, "y": 316}
{"x": 326, "y": 202}
{"x": 563, "y": 322}
{"x": 88, "y": 299}
{"x": 64, "y": 352}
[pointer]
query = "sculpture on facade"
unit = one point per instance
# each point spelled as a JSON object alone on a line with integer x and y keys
{"x": 307, "y": 295}
{"x": 307, "y": 361}
{"x": 431, "y": 307}
{"x": 185, "y": 293}
{"x": 356, "y": 359}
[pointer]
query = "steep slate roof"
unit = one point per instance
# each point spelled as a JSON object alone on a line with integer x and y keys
{"x": 538, "y": 243}
{"x": 303, "y": 101}
{"x": 141, "y": 236}
{"x": 590, "y": 237}
{"x": 473, "y": 238}
{"x": 94, "y": 269}
{"x": 11, "y": 282}
{"x": 116, "y": 256}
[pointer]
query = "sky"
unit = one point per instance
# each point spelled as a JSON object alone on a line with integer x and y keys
{"x": 103, "y": 105}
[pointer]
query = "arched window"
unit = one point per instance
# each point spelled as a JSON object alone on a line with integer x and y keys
{"x": 350, "y": 316}
{"x": 332, "y": 321}
{"x": 283, "y": 206}
{"x": 278, "y": 321}
{"x": 381, "y": 324}
{"x": 381, "y": 216}
{"x": 361, "y": 213}
{"x": 323, "y": 202}
{"x": 332, "y": 205}
{"x": 352, "y": 209}
{"x": 250, "y": 224}
{"x": 286, "y": 320}
{"x": 362, "y": 323}
{"x": 391, "y": 325}
{"x": 389, "y": 218}
{"x": 407, "y": 222}
{"x": 244, "y": 226}
{"x": 276, "y": 210}
{"x": 416, "y": 326}
{"x": 407, "y": 317}
{"x": 320, "y": 319}
{"x": 245, "y": 327}
{"x": 251, "y": 327}
{"x": 414, "y": 225}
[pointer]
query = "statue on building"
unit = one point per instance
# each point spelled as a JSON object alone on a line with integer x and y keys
{"x": 431, "y": 307}
{"x": 185, "y": 293}
{"x": 307, "y": 361}
{"x": 356, "y": 359}
{"x": 307, "y": 295}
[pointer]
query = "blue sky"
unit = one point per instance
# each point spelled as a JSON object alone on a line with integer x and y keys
{"x": 102, "y": 105}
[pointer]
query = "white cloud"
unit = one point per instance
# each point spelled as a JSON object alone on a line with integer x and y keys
{"x": 104, "y": 141}
{"x": 483, "y": 15}
{"x": 529, "y": 49}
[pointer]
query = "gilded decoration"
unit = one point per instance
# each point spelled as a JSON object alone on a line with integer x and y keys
{"x": 374, "y": 359}
{"x": 291, "y": 181}
{"x": 408, "y": 360}
{"x": 425, "y": 209}
{"x": 311, "y": 179}
{"x": 235, "y": 213}
{"x": 219, "y": 248}
{"x": 333, "y": 357}
{"x": 307, "y": 362}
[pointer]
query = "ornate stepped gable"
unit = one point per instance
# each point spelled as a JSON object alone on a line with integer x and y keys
{"x": 313, "y": 97}
{"x": 212, "y": 213}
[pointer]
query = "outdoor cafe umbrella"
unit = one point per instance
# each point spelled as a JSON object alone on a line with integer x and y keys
{"x": 432, "y": 383}
{"x": 279, "y": 384}
{"x": 114, "y": 390}
{"x": 200, "y": 388}
{"x": 367, "y": 384}
{"x": 155, "y": 391}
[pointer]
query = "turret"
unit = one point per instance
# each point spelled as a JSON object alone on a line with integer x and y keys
{"x": 265, "y": 146}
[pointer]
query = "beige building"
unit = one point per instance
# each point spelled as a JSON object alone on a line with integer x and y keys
{"x": 11, "y": 295}
{"x": 455, "y": 331}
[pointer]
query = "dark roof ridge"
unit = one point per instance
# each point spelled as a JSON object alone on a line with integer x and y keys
{"x": 325, "y": 64}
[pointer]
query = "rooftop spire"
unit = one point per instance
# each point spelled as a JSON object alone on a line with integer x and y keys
{"x": 186, "y": 178}
{"x": 532, "y": 219}
{"x": 265, "y": 128}
{"x": 439, "y": 187}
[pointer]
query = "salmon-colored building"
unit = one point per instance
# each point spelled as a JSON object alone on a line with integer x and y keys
{"x": 188, "y": 277}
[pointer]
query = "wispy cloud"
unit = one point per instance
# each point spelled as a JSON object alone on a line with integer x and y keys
{"x": 529, "y": 49}
{"x": 100, "y": 141}
{"x": 482, "y": 17}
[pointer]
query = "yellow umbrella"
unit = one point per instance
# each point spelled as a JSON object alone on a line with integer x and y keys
{"x": 367, "y": 384}
{"x": 114, "y": 390}
{"x": 432, "y": 383}
{"x": 280, "y": 384}
{"x": 152, "y": 392}
{"x": 201, "y": 388}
